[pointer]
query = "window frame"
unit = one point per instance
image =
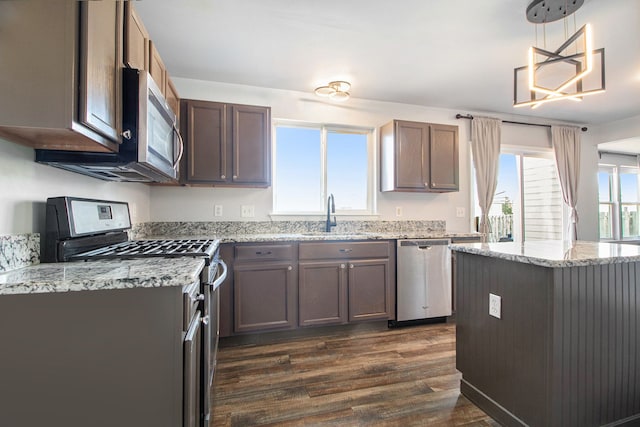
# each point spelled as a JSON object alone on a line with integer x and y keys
{"x": 520, "y": 151}
{"x": 615, "y": 202}
{"x": 325, "y": 128}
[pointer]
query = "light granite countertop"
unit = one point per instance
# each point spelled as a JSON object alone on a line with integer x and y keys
{"x": 97, "y": 275}
{"x": 555, "y": 253}
{"x": 320, "y": 236}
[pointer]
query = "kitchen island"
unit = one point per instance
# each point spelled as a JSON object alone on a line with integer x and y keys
{"x": 565, "y": 350}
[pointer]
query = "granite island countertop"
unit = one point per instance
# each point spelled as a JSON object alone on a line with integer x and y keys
{"x": 555, "y": 253}
{"x": 102, "y": 274}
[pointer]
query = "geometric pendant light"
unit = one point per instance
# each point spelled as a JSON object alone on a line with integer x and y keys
{"x": 571, "y": 71}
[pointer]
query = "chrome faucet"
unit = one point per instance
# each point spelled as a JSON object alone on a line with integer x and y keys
{"x": 331, "y": 208}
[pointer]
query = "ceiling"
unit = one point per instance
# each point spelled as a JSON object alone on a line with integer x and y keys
{"x": 457, "y": 54}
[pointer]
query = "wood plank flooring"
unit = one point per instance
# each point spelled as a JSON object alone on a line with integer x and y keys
{"x": 343, "y": 376}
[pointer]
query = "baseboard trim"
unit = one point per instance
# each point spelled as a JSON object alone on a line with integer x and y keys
{"x": 490, "y": 406}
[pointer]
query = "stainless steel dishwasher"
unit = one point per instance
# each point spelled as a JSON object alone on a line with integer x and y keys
{"x": 424, "y": 280}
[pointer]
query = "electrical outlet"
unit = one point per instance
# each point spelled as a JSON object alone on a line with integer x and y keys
{"x": 460, "y": 212}
{"x": 247, "y": 211}
{"x": 217, "y": 210}
{"x": 398, "y": 210}
{"x": 495, "y": 306}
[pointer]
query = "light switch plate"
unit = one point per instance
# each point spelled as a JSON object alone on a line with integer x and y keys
{"x": 460, "y": 212}
{"x": 495, "y": 306}
{"x": 398, "y": 210}
{"x": 217, "y": 210}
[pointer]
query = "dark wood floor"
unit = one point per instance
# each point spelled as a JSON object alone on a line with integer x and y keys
{"x": 345, "y": 376}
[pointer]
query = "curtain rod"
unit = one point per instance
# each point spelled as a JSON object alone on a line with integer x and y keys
{"x": 470, "y": 117}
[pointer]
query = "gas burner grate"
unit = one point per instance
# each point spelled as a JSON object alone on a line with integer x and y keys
{"x": 152, "y": 248}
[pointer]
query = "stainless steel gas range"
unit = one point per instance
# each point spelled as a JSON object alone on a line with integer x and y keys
{"x": 80, "y": 229}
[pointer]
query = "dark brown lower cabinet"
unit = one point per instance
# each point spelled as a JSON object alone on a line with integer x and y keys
{"x": 285, "y": 285}
{"x": 322, "y": 293}
{"x": 351, "y": 288}
{"x": 265, "y": 296}
{"x": 370, "y": 290}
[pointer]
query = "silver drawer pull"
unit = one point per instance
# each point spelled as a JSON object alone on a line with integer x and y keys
{"x": 263, "y": 253}
{"x": 289, "y": 268}
{"x": 345, "y": 251}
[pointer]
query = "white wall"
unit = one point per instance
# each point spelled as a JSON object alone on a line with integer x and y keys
{"x": 26, "y": 185}
{"x": 196, "y": 204}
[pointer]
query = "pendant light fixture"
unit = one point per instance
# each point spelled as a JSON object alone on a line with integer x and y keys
{"x": 571, "y": 71}
{"x": 336, "y": 90}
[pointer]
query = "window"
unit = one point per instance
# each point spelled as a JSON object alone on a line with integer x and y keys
{"x": 527, "y": 204}
{"x": 619, "y": 202}
{"x": 313, "y": 161}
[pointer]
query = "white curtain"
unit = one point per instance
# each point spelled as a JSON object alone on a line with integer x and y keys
{"x": 566, "y": 145}
{"x": 485, "y": 146}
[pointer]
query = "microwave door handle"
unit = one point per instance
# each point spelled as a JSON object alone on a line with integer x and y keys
{"x": 181, "y": 152}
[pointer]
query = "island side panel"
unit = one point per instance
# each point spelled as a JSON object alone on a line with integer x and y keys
{"x": 505, "y": 362}
{"x": 596, "y": 337}
{"x": 98, "y": 358}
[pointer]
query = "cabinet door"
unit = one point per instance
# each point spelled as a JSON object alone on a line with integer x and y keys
{"x": 265, "y": 296}
{"x": 370, "y": 290}
{"x": 156, "y": 68}
{"x": 136, "y": 40}
{"x": 412, "y": 155}
{"x": 322, "y": 293}
{"x": 251, "y": 145}
{"x": 204, "y": 124}
{"x": 171, "y": 95}
{"x": 443, "y": 159}
{"x": 100, "y": 67}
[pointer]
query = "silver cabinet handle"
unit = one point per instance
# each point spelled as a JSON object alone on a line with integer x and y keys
{"x": 263, "y": 253}
{"x": 223, "y": 177}
{"x": 342, "y": 265}
{"x": 426, "y": 184}
{"x": 350, "y": 265}
{"x": 289, "y": 268}
{"x": 345, "y": 251}
{"x": 235, "y": 176}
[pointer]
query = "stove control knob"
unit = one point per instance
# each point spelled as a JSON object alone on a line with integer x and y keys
{"x": 223, "y": 177}
{"x": 200, "y": 297}
{"x": 205, "y": 320}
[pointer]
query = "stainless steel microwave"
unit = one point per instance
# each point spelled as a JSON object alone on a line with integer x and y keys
{"x": 151, "y": 143}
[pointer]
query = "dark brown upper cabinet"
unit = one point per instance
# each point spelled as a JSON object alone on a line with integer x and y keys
{"x": 136, "y": 40}
{"x": 142, "y": 54}
{"x": 226, "y": 144}
{"x": 61, "y": 87}
{"x": 418, "y": 157}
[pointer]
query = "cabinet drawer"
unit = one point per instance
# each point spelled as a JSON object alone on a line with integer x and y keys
{"x": 344, "y": 250}
{"x": 264, "y": 252}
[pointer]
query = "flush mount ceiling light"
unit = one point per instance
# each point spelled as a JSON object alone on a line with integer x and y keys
{"x": 572, "y": 71}
{"x": 337, "y": 90}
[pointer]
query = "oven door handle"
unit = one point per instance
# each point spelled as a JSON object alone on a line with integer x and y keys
{"x": 221, "y": 277}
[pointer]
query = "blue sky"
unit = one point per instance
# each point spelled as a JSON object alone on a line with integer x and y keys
{"x": 299, "y": 174}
